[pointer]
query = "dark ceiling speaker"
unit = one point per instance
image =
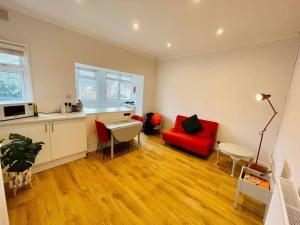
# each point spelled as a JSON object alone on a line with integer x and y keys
{"x": 3, "y": 14}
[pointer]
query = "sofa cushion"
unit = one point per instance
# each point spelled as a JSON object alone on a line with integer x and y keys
{"x": 191, "y": 125}
{"x": 193, "y": 143}
{"x": 178, "y": 122}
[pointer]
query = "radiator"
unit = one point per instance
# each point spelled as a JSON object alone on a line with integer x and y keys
{"x": 285, "y": 204}
{"x": 291, "y": 201}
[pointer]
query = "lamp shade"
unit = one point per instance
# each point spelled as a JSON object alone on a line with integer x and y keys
{"x": 260, "y": 97}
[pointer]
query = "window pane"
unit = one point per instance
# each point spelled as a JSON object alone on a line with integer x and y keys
{"x": 87, "y": 89}
{"x": 87, "y": 73}
{"x": 10, "y": 59}
{"x": 113, "y": 76}
{"x": 125, "y": 91}
{"x": 11, "y": 86}
{"x": 127, "y": 78}
{"x": 112, "y": 89}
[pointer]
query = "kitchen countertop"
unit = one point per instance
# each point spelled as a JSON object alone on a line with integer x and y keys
{"x": 47, "y": 117}
{"x": 44, "y": 117}
{"x": 91, "y": 111}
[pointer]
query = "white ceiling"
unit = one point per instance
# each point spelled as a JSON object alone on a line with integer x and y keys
{"x": 190, "y": 25}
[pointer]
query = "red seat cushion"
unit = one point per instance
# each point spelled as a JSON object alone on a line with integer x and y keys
{"x": 156, "y": 119}
{"x": 193, "y": 143}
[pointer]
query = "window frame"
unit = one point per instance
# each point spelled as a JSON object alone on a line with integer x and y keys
{"x": 26, "y": 72}
{"x": 77, "y": 84}
{"x": 102, "y": 88}
{"x": 119, "y": 87}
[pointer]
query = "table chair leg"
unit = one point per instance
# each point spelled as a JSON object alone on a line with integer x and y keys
{"x": 103, "y": 151}
{"x": 112, "y": 147}
{"x": 237, "y": 195}
{"x": 139, "y": 140}
{"x": 233, "y": 166}
{"x": 217, "y": 157}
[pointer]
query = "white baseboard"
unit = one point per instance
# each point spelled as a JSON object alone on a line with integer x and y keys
{"x": 92, "y": 147}
{"x": 45, "y": 166}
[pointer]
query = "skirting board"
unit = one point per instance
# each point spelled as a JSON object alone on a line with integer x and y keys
{"x": 57, "y": 162}
{"x": 92, "y": 147}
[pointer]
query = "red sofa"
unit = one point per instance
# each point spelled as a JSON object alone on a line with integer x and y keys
{"x": 200, "y": 143}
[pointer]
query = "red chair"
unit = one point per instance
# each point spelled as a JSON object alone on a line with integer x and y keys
{"x": 138, "y": 118}
{"x": 157, "y": 121}
{"x": 103, "y": 135}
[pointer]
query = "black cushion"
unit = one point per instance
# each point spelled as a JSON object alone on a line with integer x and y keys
{"x": 191, "y": 125}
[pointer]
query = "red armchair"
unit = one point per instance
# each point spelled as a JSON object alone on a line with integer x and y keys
{"x": 200, "y": 143}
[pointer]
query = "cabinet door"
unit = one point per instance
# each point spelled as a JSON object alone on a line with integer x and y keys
{"x": 92, "y": 138}
{"x": 68, "y": 137}
{"x": 37, "y": 132}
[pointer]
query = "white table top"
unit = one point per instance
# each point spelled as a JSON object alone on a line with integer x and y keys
{"x": 123, "y": 124}
{"x": 235, "y": 150}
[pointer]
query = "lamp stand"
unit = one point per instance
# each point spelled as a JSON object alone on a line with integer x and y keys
{"x": 256, "y": 166}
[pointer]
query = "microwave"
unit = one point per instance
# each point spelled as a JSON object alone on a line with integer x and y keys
{"x": 15, "y": 111}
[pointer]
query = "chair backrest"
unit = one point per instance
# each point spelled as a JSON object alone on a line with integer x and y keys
{"x": 138, "y": 118}
{"x": 209, "y": 127}
{"x": 157, "y": 119}
{"x": 102, "y": 131}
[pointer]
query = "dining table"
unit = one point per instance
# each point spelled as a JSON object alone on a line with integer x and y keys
{"x": 124, "y": 131}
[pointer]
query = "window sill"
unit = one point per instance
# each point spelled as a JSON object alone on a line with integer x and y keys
{"x": 91, "y": 111}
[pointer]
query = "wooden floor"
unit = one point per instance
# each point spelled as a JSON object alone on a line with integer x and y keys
{"x": 156, "y": 184}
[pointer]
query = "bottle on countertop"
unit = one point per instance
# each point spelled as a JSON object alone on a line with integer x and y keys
{"x": 79, "y": 106}
{"x": 69, "y": 107}
{"x": 35, "y": 112}
{"x": 64, "y": 107}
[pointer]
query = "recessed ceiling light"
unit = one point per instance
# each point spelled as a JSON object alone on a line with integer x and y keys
{"x": 196, "y": 1}
{"x": 136, "y": 26}
{"x": 169, "y": 45}
{"x": 220, "y": 31}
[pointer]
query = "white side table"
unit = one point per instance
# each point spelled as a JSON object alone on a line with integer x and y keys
{"x": 236, "y": 153}
{"x": 259, "y": 193}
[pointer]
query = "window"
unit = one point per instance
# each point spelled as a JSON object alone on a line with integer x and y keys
{"x": 118, "y": 87}
{"x": 102, "y": 88}
{"x": 87, "y": 85}
{"x": 14, "y": 76}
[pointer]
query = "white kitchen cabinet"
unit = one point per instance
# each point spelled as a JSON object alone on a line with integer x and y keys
{"x": 92, "y": 139}
{"x": 65, "y": 137}
{"x": 37, "y": 132}
{"x": 68, "y": 137}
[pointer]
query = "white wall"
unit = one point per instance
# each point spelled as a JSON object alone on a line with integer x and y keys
{"x": 221, "y": 86}
{"x": 286, "y": 153}
{"x": 54, "y": 51}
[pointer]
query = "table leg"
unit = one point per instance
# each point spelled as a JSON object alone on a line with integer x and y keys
{"x": 112, "y": 146}
{"x": 249, "y": 162}
{"x": 237, "y": 194}
{"x": 139, "y": 140}
{"x": 233, "y": 166}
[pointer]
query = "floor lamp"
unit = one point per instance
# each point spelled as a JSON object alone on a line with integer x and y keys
{"x": 261, "y": 97}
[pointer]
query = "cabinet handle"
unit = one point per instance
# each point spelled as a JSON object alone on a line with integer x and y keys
{"x": 46, "y": 128}
{"x": 52, "y": 127}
